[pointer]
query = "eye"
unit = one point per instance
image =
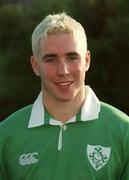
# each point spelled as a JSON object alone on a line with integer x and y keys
{"x": 72, "y": 57}
{"x": 49, "y": 59}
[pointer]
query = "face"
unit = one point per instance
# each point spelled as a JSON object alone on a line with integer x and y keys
{"x": 62, "y": 67}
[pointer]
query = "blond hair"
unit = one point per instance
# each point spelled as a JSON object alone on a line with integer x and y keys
{"x": 54, "y": 24}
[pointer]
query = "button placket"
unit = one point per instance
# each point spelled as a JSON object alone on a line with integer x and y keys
{"x": 60, "y": 139}
{"x": 65, "y": 127}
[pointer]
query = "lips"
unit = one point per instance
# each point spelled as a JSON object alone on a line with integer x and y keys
{"x": 64, "y": 83}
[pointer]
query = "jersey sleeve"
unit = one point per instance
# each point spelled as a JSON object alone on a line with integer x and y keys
{"x": 126, "y": 172}
{"x": 126, "y": 167}
{"x": 3, "y": 175}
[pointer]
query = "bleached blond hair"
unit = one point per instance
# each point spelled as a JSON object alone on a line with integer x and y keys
{"x": 55, "y": 24}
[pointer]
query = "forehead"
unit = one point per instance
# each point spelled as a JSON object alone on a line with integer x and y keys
{"x": 59, "y": 43}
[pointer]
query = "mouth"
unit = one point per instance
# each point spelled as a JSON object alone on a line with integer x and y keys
{"x": 64, "y": 84}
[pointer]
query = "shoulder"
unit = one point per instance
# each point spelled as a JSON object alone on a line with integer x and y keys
{"x": 20, "y": 116}
{"x": 115, "y": 122}
{"x": 111, "y": 112}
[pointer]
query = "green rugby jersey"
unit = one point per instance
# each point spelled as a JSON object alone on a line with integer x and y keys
{"x": 96, "y": 149}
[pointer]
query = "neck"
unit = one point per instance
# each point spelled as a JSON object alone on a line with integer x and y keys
{"x": 63, "y": 111}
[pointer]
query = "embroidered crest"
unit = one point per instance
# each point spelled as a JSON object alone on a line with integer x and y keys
{"x": 98, "y": 156}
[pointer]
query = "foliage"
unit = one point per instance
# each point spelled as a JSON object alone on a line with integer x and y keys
{"x": 106, "y": 23}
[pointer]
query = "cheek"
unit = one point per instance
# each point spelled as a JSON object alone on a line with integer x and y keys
{"x": 78, "y": 69}
{"x": 80, "y": 74}
{"x": 47, "y": 72}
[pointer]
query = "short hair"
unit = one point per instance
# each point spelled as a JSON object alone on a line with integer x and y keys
{"x": 54, "y": 24}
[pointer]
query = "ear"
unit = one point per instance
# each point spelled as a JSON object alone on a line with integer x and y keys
{"x": 88, "y": 60}
{"x": 34, "y": 65}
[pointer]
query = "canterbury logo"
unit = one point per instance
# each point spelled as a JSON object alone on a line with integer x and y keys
{"x": 27, "y": 159}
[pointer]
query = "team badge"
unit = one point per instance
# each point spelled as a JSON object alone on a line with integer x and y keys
{"x": 98, "y": 156}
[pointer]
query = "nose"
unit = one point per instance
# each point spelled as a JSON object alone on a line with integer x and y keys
{"x": 63, "y": 68}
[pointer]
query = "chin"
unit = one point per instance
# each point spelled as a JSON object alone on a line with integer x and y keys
{"x": 65, "y": 99}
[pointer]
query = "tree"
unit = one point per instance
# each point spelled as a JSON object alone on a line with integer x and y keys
{"x": 106, "y": 23}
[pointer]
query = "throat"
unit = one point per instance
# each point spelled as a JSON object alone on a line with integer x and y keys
{"x": 63, "y": 111}
{"x": 63, "y": 114}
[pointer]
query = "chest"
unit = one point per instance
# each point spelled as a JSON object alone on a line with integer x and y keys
{"x": 86, "y": 153}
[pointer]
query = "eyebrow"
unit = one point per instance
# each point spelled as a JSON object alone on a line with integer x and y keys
{"x": 74, "y": 53}
{"x": 49, "y": 56}
{"x": 46, "y": 56}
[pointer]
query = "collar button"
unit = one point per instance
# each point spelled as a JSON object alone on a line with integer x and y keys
{"x": 64, "y": 127}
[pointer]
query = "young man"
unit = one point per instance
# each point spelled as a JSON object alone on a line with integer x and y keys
{"x": 67, "y": 134}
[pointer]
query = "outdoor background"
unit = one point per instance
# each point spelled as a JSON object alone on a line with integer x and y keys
{"x": 107, "y": 26}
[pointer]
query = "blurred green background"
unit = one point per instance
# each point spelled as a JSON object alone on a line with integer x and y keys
{"x": 107, "y": 26}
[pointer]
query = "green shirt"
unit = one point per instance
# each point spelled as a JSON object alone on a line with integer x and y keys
{"x": 90, "y": 150}
{"x": 97, "y": 149}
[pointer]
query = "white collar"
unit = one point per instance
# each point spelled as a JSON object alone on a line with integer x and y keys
{"x": 90, "y": 110}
